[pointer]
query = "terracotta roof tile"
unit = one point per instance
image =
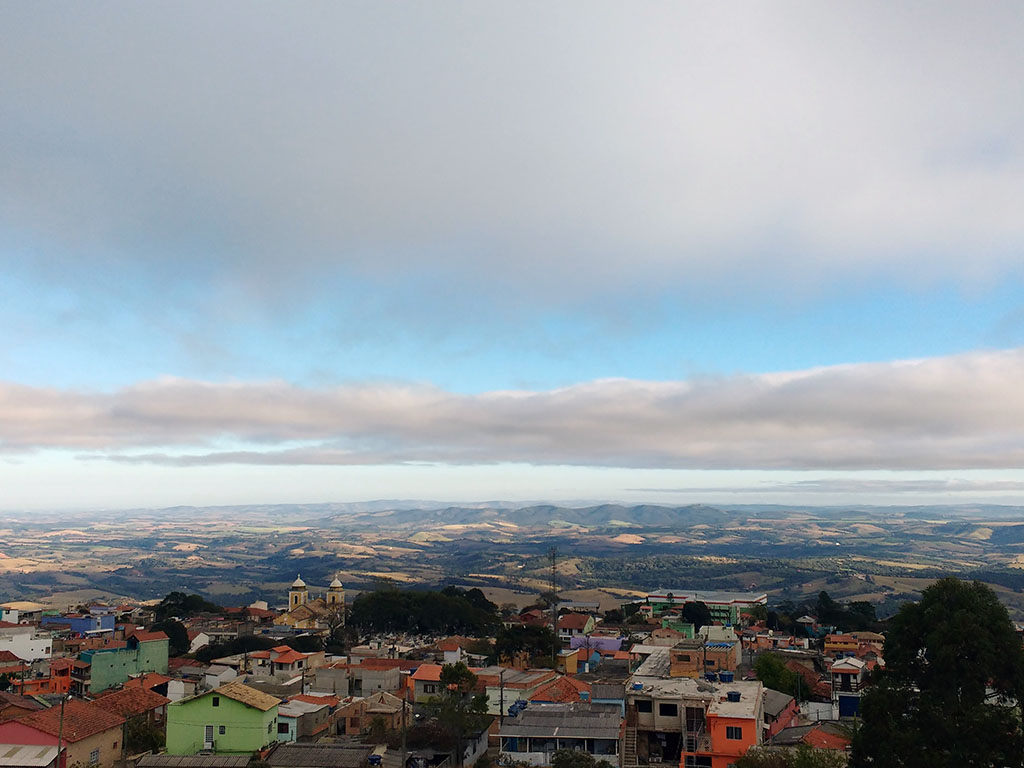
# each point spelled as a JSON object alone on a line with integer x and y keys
{"x": 81, "y": 720}
{"x": 561, "y": 691}
{"x": 129, "y": 702}
{"x": 248, "y": 696}
{"x": 430, "y": 673}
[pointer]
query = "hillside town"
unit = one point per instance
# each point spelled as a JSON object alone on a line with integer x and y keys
{"x": 689, "y": 678}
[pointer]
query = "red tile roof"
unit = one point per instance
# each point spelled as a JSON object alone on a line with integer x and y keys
{"x": 81, "y": 720}
{"x": 145, "y": 637}
{"x": 7, "y": 656}
{"x": 452, "y": 643}
{"x": 573, "y": 621}
{"x": 129, "y": 702}
{"x": 561, "y": 691}
{"x": 331, "y": 701}
{"x": 430, "y": 673}
{"x": 150, "y": 680}
{"x": 819, "y": 738}
{"x": 372, "y": 662}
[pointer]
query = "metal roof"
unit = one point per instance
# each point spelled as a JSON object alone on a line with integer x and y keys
{"x": 29, "y": 756}
{"x": 320, "y": 756}
{"x": 577, "y": 720}
{"x": 194, "y": 761}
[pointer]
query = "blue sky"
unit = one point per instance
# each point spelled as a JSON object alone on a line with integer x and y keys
{"x": 481, "y": 251}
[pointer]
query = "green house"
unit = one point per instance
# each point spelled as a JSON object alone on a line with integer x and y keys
{"x": 232, "y": 719}
{"x": 143, "y": 652}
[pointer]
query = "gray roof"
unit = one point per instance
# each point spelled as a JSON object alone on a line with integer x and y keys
{"x": 577, "y": 720}
{"x": 775, "y": 702}
{"x": 658, "y": 664}
{"x": 25, "y": 756}
{"x": 194, "y": 761}
{"x": 608, "y": 691}
{"x": 320, "y": 755}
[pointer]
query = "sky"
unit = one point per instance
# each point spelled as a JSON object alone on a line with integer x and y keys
{"x": 666, "y": 252}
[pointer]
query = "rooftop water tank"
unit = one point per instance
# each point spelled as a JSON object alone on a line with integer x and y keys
{"x": 733, "y": 696}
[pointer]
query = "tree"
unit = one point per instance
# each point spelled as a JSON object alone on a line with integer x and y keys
{"x": 801, "y": 757}
{"x": 931, "y": 706}
{"x": 536, "y": 641}
{"x": 178, "y": 604}
{"x": 177, "y": 636}
{"x": 576, "y": 758}
{"x": 5, "y": 682}
{"x": 773, "y": 673}
{"x": 697, "y": 614}
{"x": 458, "y": 710}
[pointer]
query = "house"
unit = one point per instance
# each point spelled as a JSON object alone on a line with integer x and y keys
{"x": 25, "y": 641}
{"x": 350, "y": 714}
{"x": 197, "y": 639}
{"x": 827, "y": 734}
{"x": 136, "y": 704}
{"x": 13, "y": 706}
{"x": 452, "y": 649}
{"x": 564, "y": 690}
{"x": 283, "y": 661}
{"x": 574, "y": 624}
{"x": 849, "y": 678}
{"x": 780, "y": 711}
{"x": 231, "y": 719}
{"x": 300, "y": 720}
{"x": 21, "y": 612}
{"x": 142, "y": 652}
{"x": 386, "y": 708}
{"x": 536, "y": 732}
{"x": 217, "y": 675}
{"x": 504, "y": 686}
{"x": 91, "y": 735}
{"x": 426, "y": 682}
{"x": 79, "y": 624}
{"x": 687, "y": 721}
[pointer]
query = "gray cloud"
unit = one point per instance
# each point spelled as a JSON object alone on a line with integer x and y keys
{"x": 550, "y": 151}
{"x": 962, "y": 411}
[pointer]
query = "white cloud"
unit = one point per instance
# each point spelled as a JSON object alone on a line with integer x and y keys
{"x": 547, "y": 150}
{"x": 956, "y": 412}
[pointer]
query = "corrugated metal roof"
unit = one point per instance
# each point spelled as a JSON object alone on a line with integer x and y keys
{"x": 320, "y": 756}
{"x": 194, "y": 761}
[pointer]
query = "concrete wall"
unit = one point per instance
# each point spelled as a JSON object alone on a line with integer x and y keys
{"x": 246, "y": 729}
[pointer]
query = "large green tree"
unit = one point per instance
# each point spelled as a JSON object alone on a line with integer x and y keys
{"x": 459, "y": 710}
{"x": 772, "y": 671}
{"x": 948, "y": 697}
{"x": 801, "y": 757}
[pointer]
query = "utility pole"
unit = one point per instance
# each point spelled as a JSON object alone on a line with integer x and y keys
{"x": 60, "y": 729}
{"x": 501, "y": 697}
{"x": 553, "y": 554}
{"x": 405, "y": 754}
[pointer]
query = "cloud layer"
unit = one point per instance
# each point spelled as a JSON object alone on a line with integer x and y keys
{"x": 552, "y": 151}
{"x": 956, "y": 412}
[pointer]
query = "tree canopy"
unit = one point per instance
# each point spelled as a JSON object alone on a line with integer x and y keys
{"x": 535, "y": 641}
{"x": 949, "y": 694}
{"x": 180, "y": 605}
{"x": 771, "y": 671}
{"x": 801, "y": 757}
{"x": 450, "y": 611}
{"x": 696, "y": 613}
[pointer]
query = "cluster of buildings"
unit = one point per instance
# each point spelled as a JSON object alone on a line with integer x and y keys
{"x": 95, "y": 688}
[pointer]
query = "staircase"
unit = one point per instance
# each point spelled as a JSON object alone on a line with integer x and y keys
{"x": 629, "y": 739}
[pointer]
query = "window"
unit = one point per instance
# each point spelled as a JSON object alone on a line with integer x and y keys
{"x": 668, "y": 710}
{"x": 644, "y": 705}
{"x": 222, "y": 730}
{"x": 282, "y": 727}
{"x": 429, "y": 688}
{"x": 94, "y": 757}
{"x": 684, "y": 657}
{"x": 216, "y": 701}
{"x": 733, "y": 732}
{"x": 270, "y": 727}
